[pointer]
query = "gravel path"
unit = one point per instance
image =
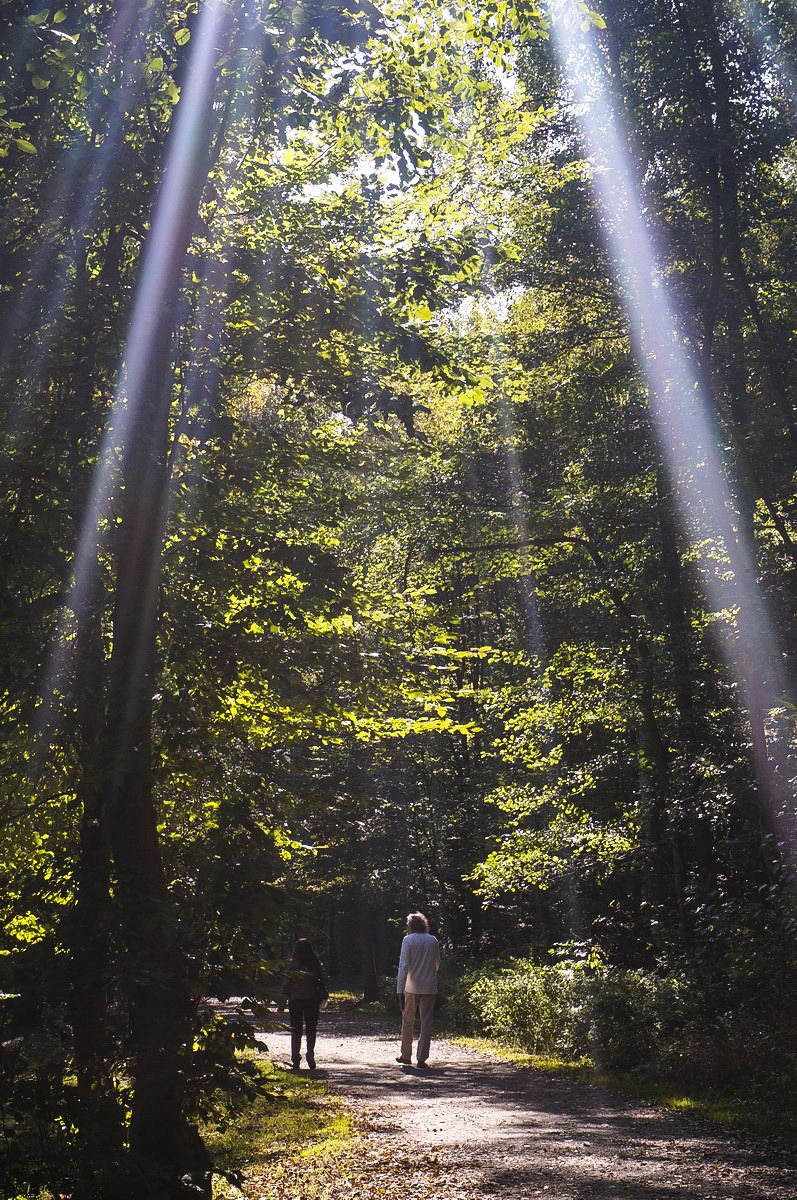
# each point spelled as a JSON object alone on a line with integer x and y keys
{"x": 482, "y": 1128}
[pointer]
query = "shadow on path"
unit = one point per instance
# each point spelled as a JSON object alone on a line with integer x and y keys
{"x": 518, "y": 1133}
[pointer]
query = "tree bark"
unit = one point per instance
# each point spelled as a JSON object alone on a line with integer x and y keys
{"x": 370, "y": 979}
{"x": 332, "y": 943}
{"x": 155, "y": 977}
{"x": 675, "y": 607}
{"x": 149, "y": 926}
{"x": 100, "y": 1114}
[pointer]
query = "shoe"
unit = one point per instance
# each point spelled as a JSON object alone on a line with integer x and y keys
{"x": 310, "y": 1061}
{"x": 294, "y": 1066}
{"x": 405, "y": 1061}
{"x": 422, "y": 1066}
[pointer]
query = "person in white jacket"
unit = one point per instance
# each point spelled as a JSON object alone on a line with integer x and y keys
{"x": 417, "y": 984}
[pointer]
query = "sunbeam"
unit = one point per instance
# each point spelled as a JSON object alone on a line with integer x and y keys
{"x": 682, "y": 415}
{"x": 77, "y": 189}
{"x": 162, "y": 255}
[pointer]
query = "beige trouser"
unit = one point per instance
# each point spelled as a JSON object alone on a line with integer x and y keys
{"x": 424, "y": 1005}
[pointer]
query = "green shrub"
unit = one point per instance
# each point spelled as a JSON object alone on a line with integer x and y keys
{"x": 621, "y": 1017}
{"x": 535, "y": 1006}
{"x": 634, "y": 1015}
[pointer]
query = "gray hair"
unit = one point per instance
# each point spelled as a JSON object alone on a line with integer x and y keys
{"x": 417, "y": 923}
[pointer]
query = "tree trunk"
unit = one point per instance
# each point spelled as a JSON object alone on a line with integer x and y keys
{"x": 154, "y": 976}
{"x": 674, "y": 599}
{"x": 100, "y": 1114}
{"x": 160, "y": 1012}
{"x": 332, "y": 942}
{"x": 698, "y": 849}
{"x": 370, "y": 979}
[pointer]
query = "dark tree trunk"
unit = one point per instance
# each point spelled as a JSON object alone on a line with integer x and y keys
{"x": 153, "y": 970}
{"x": 697, "y": 834}
{"x": 332, "y": 943}
{"x": 100, "y": 1119}
{"x": 664, "y": 878}
{"x": 100, "y": 1111}
{"x": 675, "y": 607}
{"x": 370, "y": 979}
{"x": 155, "y": 977}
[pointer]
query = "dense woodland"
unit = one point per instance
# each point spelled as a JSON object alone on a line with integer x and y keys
{"x": 398, "y": 455}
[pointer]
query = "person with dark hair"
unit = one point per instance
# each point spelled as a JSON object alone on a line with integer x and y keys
{"x": 305, "y": 991}
{"x": 417, "y": 986}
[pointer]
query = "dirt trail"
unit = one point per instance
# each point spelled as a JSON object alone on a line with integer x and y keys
{"x": 494, "y": 1130}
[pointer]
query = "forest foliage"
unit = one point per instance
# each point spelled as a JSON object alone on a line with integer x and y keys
{"x": 382, "y": 527}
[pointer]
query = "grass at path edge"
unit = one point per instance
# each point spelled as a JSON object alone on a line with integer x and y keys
{"x": 293, "y": 1118}
{"x": 767, "y": 1109}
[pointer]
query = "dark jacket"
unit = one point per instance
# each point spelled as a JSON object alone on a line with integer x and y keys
{"x": 304, "y": 984}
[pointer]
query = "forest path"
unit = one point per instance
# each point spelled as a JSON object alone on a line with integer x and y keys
{"x": 472, "y": 1126}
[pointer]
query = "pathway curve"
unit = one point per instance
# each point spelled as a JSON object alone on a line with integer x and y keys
{"x": 494, "y": 1130}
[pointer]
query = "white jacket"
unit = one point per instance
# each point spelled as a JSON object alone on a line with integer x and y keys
{"x": 418, "y": 964}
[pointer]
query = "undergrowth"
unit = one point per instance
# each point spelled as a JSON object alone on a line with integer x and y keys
{"x": 291, "y": 1117}
{"x": 640, "y": 1033}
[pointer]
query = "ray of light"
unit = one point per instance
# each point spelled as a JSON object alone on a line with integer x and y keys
{"x": 73, "y": 204}
{"x": 164, "y": 248}
{"x": 681, "y": 412}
